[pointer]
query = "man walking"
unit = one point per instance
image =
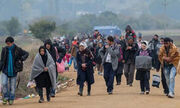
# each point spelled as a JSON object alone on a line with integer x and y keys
{"x": 109, "y": 54}
{"x": 169, "y": 58}
{"x": 11, "y": 63}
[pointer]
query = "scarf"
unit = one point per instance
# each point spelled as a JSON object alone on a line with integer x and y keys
{"x": 10, "y": 61}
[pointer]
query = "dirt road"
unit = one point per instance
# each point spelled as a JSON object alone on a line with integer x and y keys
{"x": 123, "y": 97}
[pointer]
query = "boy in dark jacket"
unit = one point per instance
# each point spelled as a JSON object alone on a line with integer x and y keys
{"x": 11, "y": 63}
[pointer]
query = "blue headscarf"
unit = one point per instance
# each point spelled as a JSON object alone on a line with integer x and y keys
{"x": 10, "y": 61}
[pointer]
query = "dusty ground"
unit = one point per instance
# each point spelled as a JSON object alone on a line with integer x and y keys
{"x": 123, "y": 97}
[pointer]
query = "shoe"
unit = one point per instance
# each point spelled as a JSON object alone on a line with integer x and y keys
{"x": 5, "y": 101}
{"x": 11, "y": 102}
{"x": 130, "y": 85}
{"x": 118, "y": 84}
{"x": 142, "y": 93}
{"x": 41, "y": 100}
{"x": 48, "y": 98}
{"x": 110, "y": 93}
{"x": 52, "y": 95}
{"x": 80, "y": 94}
{"x": 147, "y": 92}
{"x": 171, "y": 95}
{"x": 89, "y": 94}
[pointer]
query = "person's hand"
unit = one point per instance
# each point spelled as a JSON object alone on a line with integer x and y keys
{"x": 45, "y": 69}
{"x": 157, "y": 70}
{"x": 168, "y": 59}
{"x": 129, "y": 47}
{"x": 106, "y": 46}
{"x": 123, "y": 61}
{"x": 83, "y": 65}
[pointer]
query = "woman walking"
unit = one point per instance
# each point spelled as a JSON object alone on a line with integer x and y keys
{"x": 85, "y": 68}
{"x": 44, "y": 73}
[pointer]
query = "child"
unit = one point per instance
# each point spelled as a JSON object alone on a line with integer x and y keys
{"x": 143, "y": 74}
{"x": 66, "y": 60}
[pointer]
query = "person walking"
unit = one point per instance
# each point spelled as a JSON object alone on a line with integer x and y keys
{"x": 11, "y": 63}
{"x": 110, "y": 54}
{"x": 169, "y": 57}
{"x": 85, "y": 71}
{"x": 44, "y": 73}
{"x": 130, "y": 54}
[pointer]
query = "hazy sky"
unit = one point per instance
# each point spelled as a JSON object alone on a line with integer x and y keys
{"x": 28, "y": 10}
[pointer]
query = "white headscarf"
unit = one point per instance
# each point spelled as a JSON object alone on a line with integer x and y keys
{"x": 83, "y": 44}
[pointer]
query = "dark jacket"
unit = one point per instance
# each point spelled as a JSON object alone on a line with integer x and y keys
{"x": 18, "y": 55}
{"x": 52, "y": 50}
{"x": 85, "y": 74}
{"x": 130, "y": 54}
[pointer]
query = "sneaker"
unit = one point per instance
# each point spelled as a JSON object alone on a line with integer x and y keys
{"x": 89, "y": 94}
{"x": 130, "y": 85}
{"x": 11, "y": 102}
{"x": 147, "y": 92}
{"x": 118, "y": 83}
{"x": 48, "y": 98}
{"x": 5, "y": 101}
{"x": 171, "y": 95}
{"x": 41, "y": 100}
{"x": 110, "y": 93}
{"x": 142, "y": 93}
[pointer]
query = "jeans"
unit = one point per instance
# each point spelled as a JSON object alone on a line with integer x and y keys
{"x": 74, "y": 62}
{"x": 8, "y": 87}
{"x": 109, "y": 76}
{"x": 170, "y": 73}
{"x": 163, "y": 80}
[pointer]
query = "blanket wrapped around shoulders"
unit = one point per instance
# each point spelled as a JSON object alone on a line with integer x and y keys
{"x": 38, "y": 68}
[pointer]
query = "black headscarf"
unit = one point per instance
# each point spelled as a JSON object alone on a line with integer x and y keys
{"x": 44, "y": 57}
{"x": 52, "y": 50}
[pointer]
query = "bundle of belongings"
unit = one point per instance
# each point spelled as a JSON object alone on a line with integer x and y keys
{"x": 143, "y": 62}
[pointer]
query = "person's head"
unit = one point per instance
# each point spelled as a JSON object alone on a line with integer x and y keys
{"x": 75, "y": 38}
{"x": 122, "y": 37}
{"x": 48, "y": 44}
{"x": 128, "y": 29}
{"x": 99, "y": 36}
{"x": 42, "y": 50}
{"x": 82, "y": 46}
{"x": 96, "y": 31}
{"x": 130, "y": 40}
{"x": 139, "y": 37}
{"x": 143, "y": 45}
{"x": 167, "y": 42}
{"x": 100, "y": 44}
{"x": 110, "y": 40}
{"x": 9, "y": 41}
{"x": 156, "y": 37}
{"x": 162, "y": 40}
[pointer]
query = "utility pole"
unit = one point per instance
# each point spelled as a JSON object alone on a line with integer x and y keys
{"x": 165, "y": 10}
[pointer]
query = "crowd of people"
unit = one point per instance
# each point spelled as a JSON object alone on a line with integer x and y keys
{"x": 111, "y": 56}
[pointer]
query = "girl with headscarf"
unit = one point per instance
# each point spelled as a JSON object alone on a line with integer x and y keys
{"x": 44, "y": 73}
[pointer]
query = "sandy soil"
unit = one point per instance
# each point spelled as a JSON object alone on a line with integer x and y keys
{"x": 123, "y": 97}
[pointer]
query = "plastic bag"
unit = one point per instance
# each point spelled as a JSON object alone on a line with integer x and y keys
{"x": 156, "y": 81}
{"x": 31, "y": 84}
{"x": 60, "y": 67}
